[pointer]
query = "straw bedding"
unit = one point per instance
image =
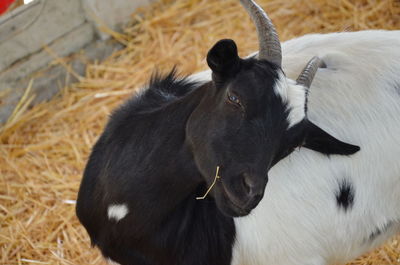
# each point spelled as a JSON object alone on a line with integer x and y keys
{"x": 43, "y": 149}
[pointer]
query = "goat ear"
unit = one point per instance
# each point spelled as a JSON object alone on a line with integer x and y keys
{"x": 318, "y": 140}
{"x": 223, "y": 57}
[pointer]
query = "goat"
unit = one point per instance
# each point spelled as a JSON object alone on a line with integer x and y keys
{"x": 321, "y": 210}
{"x": 159, "y": 151}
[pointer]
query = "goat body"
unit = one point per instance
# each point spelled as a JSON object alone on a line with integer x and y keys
{"x": 137, "y": 198}
{"x": 328, "y": 210}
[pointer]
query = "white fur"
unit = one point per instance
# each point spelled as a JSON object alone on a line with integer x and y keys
{"x": 356, "y": 100}
{"x": 201, "y": 77}
{"x": 111, "y": 262}
{"x": 117, "y": 211}
{"x": 294, "y": 96}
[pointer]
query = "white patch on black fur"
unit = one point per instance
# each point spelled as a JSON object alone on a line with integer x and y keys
{"x": 117, "y": 211}
{"x": 201, "y": 77}
{"x": 294, "y": 96}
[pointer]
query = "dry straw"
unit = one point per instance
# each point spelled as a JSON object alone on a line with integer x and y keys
{"x": 43, "y": 150}
{"x": 211, "y": 186}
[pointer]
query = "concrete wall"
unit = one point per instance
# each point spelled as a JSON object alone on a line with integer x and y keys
{"x": 33, "y": 35}
{"x": 113, "y": 13}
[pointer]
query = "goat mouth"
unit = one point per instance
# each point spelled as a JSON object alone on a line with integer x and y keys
{"x": 237, "y": 209}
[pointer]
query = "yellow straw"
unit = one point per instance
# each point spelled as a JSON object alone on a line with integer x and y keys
{"x": 212, "y": 185}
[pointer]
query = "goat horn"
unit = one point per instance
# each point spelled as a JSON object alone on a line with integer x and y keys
{"x": 307, "y": 75}
{"x": 270, "y": 46}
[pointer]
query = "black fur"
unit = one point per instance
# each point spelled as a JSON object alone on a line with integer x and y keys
{"x": 318, "y": 140}
{"x": 160, "y": 150}
{"x": 223, "y": 58}
{"x": 141, "y": 160}
{"x": 345, "y": 195}
{"x": 378, "y": 231}
{"x": 307, "y": 134}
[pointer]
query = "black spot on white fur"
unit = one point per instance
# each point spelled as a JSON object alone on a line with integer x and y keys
{"x": 397, "y": 88}
{"x": 379, "y": 230}
{"x": 345, "y": 195}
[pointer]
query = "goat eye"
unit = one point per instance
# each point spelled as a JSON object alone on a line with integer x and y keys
{"x": 233, "y": 99}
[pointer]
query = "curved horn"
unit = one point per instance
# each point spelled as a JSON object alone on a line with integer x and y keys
{"x": 270, "y": 46}
{"x": 307, "y": 75}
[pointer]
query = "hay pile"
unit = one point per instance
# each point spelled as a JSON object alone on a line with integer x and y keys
{"x": 43, "y": 150}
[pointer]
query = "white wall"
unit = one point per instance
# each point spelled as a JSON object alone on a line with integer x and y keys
{"x": 63, "y": 26}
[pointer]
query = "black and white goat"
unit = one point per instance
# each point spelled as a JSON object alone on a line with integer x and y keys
{"x": 160, "y": 151}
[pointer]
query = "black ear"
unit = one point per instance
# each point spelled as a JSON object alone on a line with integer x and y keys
{"x": 318, "y": 140}
{"x": 223, "y": 57}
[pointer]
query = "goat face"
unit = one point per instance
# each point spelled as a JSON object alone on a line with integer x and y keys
{"x": 234, "y": 124}
{"x": 245, "y": 125}
{"x": 251, "y": 117}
